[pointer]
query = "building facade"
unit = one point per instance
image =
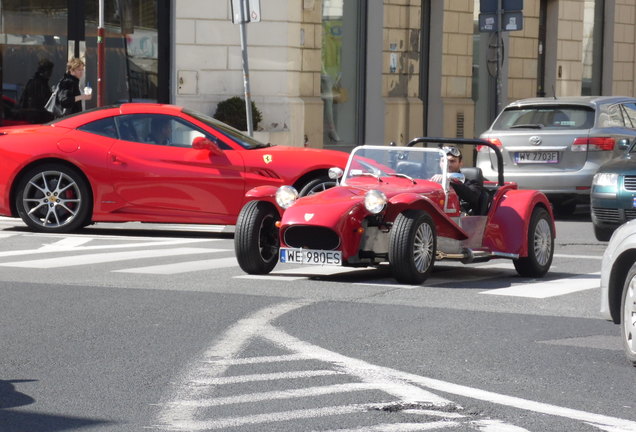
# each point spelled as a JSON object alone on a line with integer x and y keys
{"x": 331, "y": 73}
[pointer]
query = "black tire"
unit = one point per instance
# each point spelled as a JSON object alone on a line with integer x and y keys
{"x": 602, "y": 233}
{"x": 54, "y": 198}
{"x": 628, "y": 310}
{"x": 540, "y": 246}
{"x": 316, "y": 185}
{"x": 256, "y": 242}
{"x": 412, "y": 247}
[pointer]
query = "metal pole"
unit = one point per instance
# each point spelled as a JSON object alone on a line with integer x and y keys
{"x": 246, "y": 74}
{"x": 100, "y": 55}
{"x": 498, "y": 102}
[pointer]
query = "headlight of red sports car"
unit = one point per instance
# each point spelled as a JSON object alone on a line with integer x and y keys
{"x": 374, "y": 201}
{"x": 286, "y": 196}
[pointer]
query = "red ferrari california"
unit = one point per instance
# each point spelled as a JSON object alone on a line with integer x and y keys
{"x": 144, "y": 162}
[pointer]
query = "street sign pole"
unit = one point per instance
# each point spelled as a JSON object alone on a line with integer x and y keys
{"x": 499, "y": 55}
{"x": 246, "y": 73}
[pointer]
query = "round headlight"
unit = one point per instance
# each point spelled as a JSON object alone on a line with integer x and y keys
{"x": 374, "y": 201}
{"x": 286, "y": 196}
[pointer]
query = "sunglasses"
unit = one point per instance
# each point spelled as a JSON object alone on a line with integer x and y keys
{"x": 453, "y": 151}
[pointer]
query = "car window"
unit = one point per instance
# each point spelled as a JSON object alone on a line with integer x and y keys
{"x": 630, "y": 114}
{"x": 613, "y": 117}
{"x": 104, "y": 127}
{"x": 546, "y": 117}
{"x": 157, "y": 129}
{"x": 235, "y": 135}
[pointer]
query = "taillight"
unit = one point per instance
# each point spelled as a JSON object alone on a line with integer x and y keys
{"x": 494, "y": 141}
{"x": 594, "y": 144}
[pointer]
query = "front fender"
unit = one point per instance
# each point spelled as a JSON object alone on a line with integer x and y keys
{"x": 446, "y": 227}
{"x": 507, "y": 227}
{"x": 263, "y": 193}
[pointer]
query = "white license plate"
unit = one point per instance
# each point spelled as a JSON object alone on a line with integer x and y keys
{"x": 537, "y": 157}
{"x": 310, "y": 256}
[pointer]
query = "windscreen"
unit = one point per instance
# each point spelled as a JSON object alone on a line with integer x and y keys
{"x": 384, "y": 161}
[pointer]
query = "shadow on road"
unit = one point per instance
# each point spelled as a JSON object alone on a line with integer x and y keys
{"x": 20, "y": 421}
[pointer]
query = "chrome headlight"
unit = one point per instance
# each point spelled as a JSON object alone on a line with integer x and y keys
{"x": 605, "y": 179}
{"x": 374, "y": 201}
{"x": 286, "y": 196}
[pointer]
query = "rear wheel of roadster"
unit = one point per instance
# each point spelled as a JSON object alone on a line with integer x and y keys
{"x": 540, "y": 246}
{"x": 256, "y": 238}
{"x": 412, "y": 246}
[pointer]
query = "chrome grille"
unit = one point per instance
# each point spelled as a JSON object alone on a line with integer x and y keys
{"x": 630, "y": 183}
{"x": 607, "y": 215}
{"x": 311, "y": 237}
{"x": 630, "y": 214}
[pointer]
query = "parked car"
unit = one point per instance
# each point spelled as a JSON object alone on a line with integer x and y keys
{"x": 613, "y": 198}
{"x": 102, "y": 166}
{"x": 388, "y": 208}
{"x": 556, "y": 145}
{"x": 618, "y": 285}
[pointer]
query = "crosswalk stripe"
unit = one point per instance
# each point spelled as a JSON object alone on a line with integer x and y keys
{"x": 279, "y": 395}
{"x": 76, "y": 260}
{"x": 274, "y": 376}
{"x": 228, "y": 422}
{"x": 550, "y": 288}
{"x": 406, "y": 427}
{"x": 184, "y": 267}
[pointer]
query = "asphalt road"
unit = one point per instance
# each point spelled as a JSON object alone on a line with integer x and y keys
{"x": 137, "y": 327}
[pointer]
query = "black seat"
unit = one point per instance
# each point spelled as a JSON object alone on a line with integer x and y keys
{"x": 485, "y": 198}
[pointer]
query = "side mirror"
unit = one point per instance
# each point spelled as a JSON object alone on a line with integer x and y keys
{"x": 202, "y": 143}
{"x": 623, "y": 144}
{"x": 457, "y": 176}
{"x": 335, "y": 173}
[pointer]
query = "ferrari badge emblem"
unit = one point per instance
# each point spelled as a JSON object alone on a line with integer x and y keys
{"x": 308, "y": 216}
{"x": 267, "y": 158}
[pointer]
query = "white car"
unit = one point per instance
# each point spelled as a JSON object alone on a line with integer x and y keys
{"x": 618, "y": 285}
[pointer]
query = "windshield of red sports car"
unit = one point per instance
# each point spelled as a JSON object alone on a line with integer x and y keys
{"x": 413, "y": 163}
{"x": 234, "y": 134}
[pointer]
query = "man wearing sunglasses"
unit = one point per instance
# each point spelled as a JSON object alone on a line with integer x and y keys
{"x": 470, "y": 190}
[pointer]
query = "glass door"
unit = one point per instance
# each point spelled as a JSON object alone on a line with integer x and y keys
{"x": 33, "y": 48}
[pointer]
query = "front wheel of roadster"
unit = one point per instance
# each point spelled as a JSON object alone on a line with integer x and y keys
{"x": 256, "y": 237}
{"x": 540, "y": 246}
{"x": 412, "y": 245}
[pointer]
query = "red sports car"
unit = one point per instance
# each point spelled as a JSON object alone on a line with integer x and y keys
{"x": 397, "y": 205}
{"x": 144, "y": 162}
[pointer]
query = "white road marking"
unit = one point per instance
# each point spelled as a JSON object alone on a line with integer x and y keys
{"x": 278, "y": 395}
{"x": 68, "y": 243}
{"x": 149, "y": 244}
{"x": 594, "y": 257}
{"x": 263, "y": 377}
{"x": 184, "y": 267}
{"x": 182, "y": 411}
{"x": 76, "y": 260}
{"x": 550, "y": 288}
{"x": 402, "y": 427}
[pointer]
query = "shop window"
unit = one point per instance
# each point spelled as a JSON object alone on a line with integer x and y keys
{"x": 342, "y": 74}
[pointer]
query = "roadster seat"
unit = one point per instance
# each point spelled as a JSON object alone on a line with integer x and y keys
{"x": 485, "y": 197}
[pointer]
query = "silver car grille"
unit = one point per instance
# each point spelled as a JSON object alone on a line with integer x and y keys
{"x": 618, "y": 216}
{"x": 630, "y": 183}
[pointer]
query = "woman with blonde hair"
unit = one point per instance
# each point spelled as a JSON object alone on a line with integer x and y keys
{"x": 69, "y": 95}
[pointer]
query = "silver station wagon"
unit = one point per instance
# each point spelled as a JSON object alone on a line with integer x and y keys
{"x": 557, "y": 145}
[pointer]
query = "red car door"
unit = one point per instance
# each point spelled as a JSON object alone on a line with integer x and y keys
{"x": 172, "y": 181}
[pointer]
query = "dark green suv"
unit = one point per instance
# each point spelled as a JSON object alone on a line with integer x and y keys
{"x": 613, "y": 196}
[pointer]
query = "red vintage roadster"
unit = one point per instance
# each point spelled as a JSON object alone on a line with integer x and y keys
{"x": 396, "y": 205}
